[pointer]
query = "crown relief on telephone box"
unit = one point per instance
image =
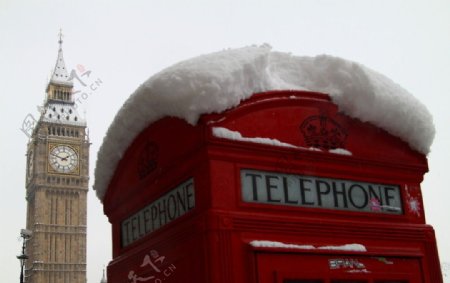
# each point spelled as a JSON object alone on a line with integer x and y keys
{"x": 279, "y": 180}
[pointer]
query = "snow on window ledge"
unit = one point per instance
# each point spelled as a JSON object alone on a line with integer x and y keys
{"x": 275, "y": 244}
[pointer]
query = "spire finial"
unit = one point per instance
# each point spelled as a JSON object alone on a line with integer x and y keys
{"x": 60, "y": 41}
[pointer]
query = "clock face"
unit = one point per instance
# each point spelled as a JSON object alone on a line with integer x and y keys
{"x": 63, "y": 158}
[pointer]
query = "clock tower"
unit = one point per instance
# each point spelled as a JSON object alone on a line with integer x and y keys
{"x": 56, "y": 186}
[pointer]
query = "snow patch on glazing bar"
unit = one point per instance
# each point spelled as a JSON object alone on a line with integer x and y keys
{"x": 340, "y": 151}
{"x": 347, "y": 247}
{"x": 275, "y": 244}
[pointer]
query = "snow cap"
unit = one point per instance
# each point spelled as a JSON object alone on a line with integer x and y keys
{"x": 63, "y": 113}
{"x": 219, "y": 81}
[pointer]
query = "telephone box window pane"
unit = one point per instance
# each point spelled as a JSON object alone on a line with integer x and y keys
{"x": 302, "y": 281}
{"x": 317, "y": 192}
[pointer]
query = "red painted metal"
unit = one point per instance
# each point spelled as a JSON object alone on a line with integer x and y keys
{"x": 211, "y": 242}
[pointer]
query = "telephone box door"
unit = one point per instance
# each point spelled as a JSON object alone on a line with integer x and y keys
{"x": 296, "y": 268}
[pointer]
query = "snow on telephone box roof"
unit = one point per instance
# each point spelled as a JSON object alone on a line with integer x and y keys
{"x": 219, "y": 81}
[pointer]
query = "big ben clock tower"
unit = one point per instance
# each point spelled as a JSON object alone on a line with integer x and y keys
{"x": 56, "y": 186}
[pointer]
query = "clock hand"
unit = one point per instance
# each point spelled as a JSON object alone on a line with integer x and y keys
{"x": 55, "y": 155}
{"x": 60, "y": 157}
{"x": 65, "y": 158}
{"x": 69, "y": 156}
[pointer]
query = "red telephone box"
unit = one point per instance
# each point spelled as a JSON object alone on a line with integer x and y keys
{"x": 282, "y": 188}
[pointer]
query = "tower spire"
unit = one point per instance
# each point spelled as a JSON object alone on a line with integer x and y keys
{"x": 60, "y": 75}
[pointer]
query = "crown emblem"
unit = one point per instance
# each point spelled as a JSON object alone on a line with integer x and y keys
{"x": 147, "y": 162}
{"x": 323, "y": 132}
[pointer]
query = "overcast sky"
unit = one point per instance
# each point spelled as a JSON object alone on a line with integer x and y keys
{"x": 125, "y": 42}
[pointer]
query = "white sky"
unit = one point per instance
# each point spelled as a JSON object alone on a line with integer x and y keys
{"x": 124, "y": 43}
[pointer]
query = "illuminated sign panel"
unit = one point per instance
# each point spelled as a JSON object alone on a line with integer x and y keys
{"x": 309, "y": 191}
{"x": 160, "y": 212}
